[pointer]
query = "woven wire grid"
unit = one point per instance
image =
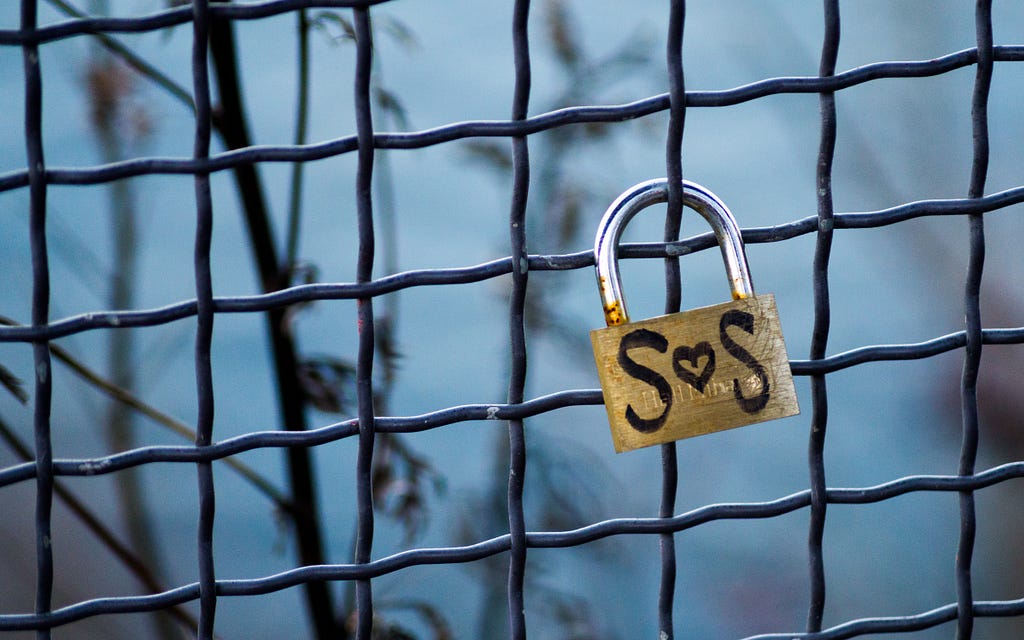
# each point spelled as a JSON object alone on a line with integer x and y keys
{"x": 45, "y": 469}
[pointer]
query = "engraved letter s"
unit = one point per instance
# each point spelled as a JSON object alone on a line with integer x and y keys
{"x": 658, "y": 342}
{"x": 744, "y": 321}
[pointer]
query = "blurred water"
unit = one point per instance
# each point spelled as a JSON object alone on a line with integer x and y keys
{"x": 899, "y": 140}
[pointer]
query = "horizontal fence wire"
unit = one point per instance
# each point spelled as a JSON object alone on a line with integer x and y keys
{"x": 527, "y": 126}
{"x": 37, "y": 176}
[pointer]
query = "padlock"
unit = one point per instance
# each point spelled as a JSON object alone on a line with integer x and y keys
{"x": 691, "y": 373}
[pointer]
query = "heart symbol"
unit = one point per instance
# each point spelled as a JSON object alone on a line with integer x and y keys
{"x": 691, "y": 355}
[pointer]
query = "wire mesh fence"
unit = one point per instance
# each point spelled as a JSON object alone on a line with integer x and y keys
{"x": 383, "y": 469}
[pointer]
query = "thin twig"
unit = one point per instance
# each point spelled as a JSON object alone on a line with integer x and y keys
{"x": 301, "y": 122}
{"x": 129, "y": 57}
{"x": 131, "y": 400}
{"x": 130, "y": 560}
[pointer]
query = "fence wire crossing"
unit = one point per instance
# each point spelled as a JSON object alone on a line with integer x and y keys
{"x": 208, "y": 21}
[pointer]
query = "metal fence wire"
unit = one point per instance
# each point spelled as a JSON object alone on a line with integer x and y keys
{"x": 199, "y": 603}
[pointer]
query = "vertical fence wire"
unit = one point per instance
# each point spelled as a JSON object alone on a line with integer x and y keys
{"x": 972, "y": 313}
{"x": 204, "y": 319}
{"x": 822, "y": 320}
{"x": 233, "y": 130}
{"x": 364, "y": 273}
{"x": 40, "y": 316}
{"x": 673, "y": 297}
{"x": 517, "y": 323}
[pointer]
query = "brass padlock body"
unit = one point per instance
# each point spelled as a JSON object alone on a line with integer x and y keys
{"x": 695, "y": 372}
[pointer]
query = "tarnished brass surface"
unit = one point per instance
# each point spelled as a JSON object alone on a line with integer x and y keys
{"x": 695, "y": 372}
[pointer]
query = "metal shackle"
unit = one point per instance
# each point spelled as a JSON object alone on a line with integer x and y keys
{"x": 696, "y": 197}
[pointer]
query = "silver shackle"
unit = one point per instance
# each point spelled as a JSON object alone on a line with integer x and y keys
{"x": 696, "y": 197}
